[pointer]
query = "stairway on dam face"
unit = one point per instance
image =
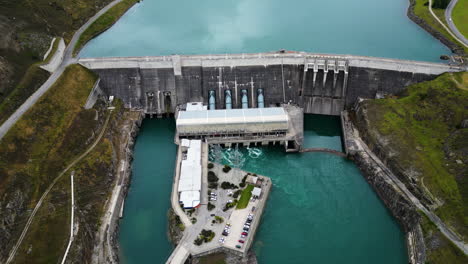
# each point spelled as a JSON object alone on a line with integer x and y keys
{"x": 321, "y": 84}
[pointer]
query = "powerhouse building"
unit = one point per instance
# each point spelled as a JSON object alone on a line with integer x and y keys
{"x": 232, "y": 122}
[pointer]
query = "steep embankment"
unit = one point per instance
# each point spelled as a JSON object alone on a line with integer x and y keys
{"x": 41, "y": 144}
{"x": 421, "y": 137}
{"x": 26, "y": 31}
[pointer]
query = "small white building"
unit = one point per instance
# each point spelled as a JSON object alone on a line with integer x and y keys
{"x": 256, "y": 192}
{"x": 189, "y": 185}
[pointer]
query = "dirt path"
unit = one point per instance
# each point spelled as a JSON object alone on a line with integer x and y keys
{"x": 44, "y": 195}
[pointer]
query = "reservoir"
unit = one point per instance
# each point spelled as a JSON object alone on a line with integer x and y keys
{"x": 366, "y": 27}
{"x": 321, "y": 209}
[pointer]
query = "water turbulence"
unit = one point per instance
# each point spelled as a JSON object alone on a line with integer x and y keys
{"x": 321, "y": 210}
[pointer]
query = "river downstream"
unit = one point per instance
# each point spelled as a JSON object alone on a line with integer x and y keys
{"x": 321, "y": 209}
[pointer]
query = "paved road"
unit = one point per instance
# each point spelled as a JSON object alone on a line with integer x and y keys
{"x": 67, "y": 60}
{"x": 445, "y": 27}
{"x": 44, "y": 195}
{"x": 448, "y": 18}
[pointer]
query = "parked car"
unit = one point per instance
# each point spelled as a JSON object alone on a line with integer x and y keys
{"x": 238, "y": 246}
{"x": 245, "y": 233}
{"x": 241, "y": 241}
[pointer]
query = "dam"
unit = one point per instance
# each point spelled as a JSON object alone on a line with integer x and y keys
{"x": 320, "y": 84}
{"x": 218, "y": 100}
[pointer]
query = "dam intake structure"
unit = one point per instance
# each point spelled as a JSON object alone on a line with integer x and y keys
{"x": 320, "y": 84}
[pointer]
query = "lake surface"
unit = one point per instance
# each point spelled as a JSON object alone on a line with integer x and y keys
{"x": 366, "y": 27}
{"x": 321, "y": 210}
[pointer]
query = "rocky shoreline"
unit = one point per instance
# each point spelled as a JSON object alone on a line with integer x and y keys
{"x": 400, "y": 206}
{"x": 435, "y": 33}
{"x": 112, "y": 228}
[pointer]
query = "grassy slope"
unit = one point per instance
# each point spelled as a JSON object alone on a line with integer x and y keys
{"x": 33, "y": 78}
{"x": 103, "y": 22}
{"x": 439, "y": 248}
{"x": 422, "y": 11}
{"x": 245, "y": 197}
{"x": 35, "y": 23}
{"x": 46, "y": 139}
{"x": 460, "y": 16}
{"x": 420, "y": 126}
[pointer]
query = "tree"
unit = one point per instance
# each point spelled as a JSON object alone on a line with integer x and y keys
{"x": 212, "y": 177}
{"x": 210, "y": 206}
{"x": 210, "y": 165}
{"x": 226, "y": 168}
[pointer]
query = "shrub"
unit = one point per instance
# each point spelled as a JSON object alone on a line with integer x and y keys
{"x": 226, "y": 168}
{"x": 236, "y": 193}
{"x": 210, "y": 165}
{"x": 211, "y": 206}
{"x": 242, "y": 184}
{"x": 212, "y": 177}
{"x": 194, "y": 220}
{"x": 244, "y": 179}
{"x": 219, "y": 219}
{"x": 198, "y": 241}
{"x": 228, "y": 185}
{"x": 213, "y": 185}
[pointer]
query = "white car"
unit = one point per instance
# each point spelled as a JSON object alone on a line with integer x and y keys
{"x": 221, "y": 240}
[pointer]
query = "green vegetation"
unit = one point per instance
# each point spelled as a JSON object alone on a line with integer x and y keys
{"x": 210, "y": 206}
{"x": 442, "y": 4}
{"x": 460, "y": 17}
{"x": 237, "y": 193}
{"x": 245, "y": 197}
{"x": 193, "y": 220}
{"x": 204, "y": 236}
{"x": 227, "y": 185}
{"x": 230, "y": 205}
{"x": 219, "y": 219}
{"x": 210, "y": 166}
{"x": 104, "y": 22}
{"x": 427, "y": 141}
{"x": 218, "y": 258}
{"x": 439, "y": 248}
{"x": 31, "y": 81}
{"x": 27, "y": 27}
{"x": 212, "y": 177}
{"x": 37, "y": 148}
{"x": 226, "y": 168}
{"x": 421, "y": 10}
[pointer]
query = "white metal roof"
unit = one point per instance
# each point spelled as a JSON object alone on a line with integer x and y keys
{"x": 230, "y": 116}
{"x": 190, "y": 198}
{"x": 256, "y": 191}
{"x": 190, "y": 175}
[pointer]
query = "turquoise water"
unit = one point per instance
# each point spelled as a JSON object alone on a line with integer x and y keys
{"x": 321, "y": 210}
{"x": 322, "y": 131}
{"x": 143, "y": 230}
{"x": 366, "y": 27}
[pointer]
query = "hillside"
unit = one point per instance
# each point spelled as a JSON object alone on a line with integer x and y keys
{"x": 421, "y": 137}
{"x": 26, "y": 30}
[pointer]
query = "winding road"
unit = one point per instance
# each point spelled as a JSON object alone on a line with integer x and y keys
{"x": 67, "y": 60}
{"x": 465, "y": 44}
{"x": 448, "y": 18}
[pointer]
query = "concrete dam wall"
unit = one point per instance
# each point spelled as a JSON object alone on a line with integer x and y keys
{"x": 321, "y": 84}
